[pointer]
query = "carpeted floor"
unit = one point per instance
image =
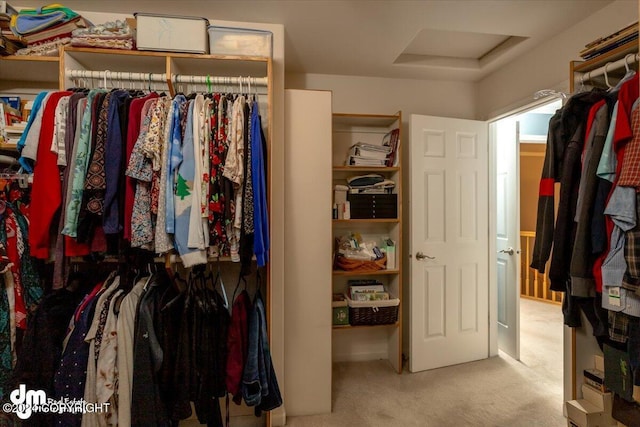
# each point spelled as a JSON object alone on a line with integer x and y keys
{"x": 493, "y": 392}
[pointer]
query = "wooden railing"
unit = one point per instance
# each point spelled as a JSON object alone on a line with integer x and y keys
{"x": 533, "y": 284}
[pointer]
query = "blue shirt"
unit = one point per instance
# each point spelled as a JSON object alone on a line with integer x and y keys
{"x": 260, "y": 214}
{"x": 37, "y": 104}
{"x": 173, "y": 159}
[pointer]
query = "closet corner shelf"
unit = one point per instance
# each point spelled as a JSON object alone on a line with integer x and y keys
{"x": 339, "y": 327}
{"x": 598, "y": 61}
{"x": 367, "y": 221}
{"x": 365, "y": 169}
{"x": 364, "y": 273}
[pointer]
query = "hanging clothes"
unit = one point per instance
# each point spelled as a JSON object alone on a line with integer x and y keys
{"x": 126, "y": 345}
{"x": 259, "y": 384}
{"x": 81, "y": 163}
{"x": 70, "y": 377}
{"x": 220, "y": 186}
{"x": 135, "y": 119}
{"x": 183, "y": 198}
{"x": 46, "y": 183}
{"x": 147, "y": 405}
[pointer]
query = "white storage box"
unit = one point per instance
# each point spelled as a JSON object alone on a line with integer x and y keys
{"x": 239, "y": 41}
{"x": 582, "y": 413}
{"x": 171, "y": 33}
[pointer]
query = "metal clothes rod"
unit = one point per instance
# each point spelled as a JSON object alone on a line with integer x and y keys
{"x": 116, "y": 75}
{"x": 162, "y": 77}
{"x": 219, "y": 80}
{"x": 609, "y": 66}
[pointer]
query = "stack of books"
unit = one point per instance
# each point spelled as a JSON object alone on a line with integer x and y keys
{"x": 610, "y": 42}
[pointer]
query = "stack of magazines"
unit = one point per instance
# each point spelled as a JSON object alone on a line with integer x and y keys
{"x": 610, "y": 42}
{"x": 375, "y": 155}
{"x": 363, "y": 154}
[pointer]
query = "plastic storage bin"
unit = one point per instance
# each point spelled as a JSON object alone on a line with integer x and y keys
{"x": 171, "y": 33}
{"x": 239, "y": 41}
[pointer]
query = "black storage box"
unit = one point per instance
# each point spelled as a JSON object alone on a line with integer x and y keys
{"x": 368, "y": 206}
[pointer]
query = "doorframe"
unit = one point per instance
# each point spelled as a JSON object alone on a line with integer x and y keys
{"x": 493, "y": 283}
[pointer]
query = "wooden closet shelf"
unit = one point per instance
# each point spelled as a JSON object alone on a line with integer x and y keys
{"x": 612, "y": 55}
{"x": 365, "y": 169}
{"x": 364, "y": 273}
{"x": 373, "y": 120}
{"x": 166, "y": 54}
{"x": 367, "y": 221}
{"x": 338, "y": 327}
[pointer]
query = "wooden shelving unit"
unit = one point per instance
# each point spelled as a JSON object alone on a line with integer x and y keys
{"x": 28, "y": 75}
{"x": 349, "y": 129}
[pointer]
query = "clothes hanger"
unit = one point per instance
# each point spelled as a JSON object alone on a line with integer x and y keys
{"x": 630, "y": 72}
{"x": 235, "y": 291}
{"x": 606, "y": 77}
{"x": 217, "y": 279}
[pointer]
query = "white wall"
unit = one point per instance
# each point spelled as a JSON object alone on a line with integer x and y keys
{"x": 547, "y": 65}
{"x": 376, "y": 95}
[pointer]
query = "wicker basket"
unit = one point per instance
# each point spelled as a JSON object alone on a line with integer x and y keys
{"x": 346, "y": 264}
{"x": 373, "y": 312}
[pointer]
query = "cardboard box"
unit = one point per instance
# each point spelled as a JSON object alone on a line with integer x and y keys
{"x": 604, "y": 401}
{"x": 582, "y": 413}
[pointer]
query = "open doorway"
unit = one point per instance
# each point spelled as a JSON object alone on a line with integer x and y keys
{"x": 529, "y": 315}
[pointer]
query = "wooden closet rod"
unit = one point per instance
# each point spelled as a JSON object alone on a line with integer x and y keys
{"x": 609, "y": 66}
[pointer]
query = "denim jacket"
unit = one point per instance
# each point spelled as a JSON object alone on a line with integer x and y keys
{"x": 259, "y": 383}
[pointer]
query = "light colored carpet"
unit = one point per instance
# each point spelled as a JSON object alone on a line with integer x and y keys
{"x": 493, "y": 392}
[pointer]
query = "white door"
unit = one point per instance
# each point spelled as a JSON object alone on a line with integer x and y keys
{"x": 505, "y": 134}
{"x": 449, "y": 222}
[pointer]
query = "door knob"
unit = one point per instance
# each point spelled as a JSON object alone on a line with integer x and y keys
{"x": 420, "y": 256}
{"x": 509, "y": 251}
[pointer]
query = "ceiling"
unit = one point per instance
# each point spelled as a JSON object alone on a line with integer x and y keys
{"x": 439, "y": 39}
